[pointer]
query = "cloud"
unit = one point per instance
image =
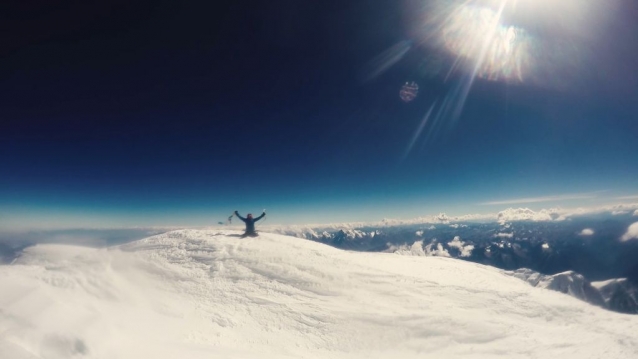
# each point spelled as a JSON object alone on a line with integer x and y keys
{"x": 417, "y": 249}
{"x": 566, "y": 197}
{"x": 436, "y": 249}
{"x": 586, "y": 232}
{"x": 502, "y": 217}
{"x": 504, "y": 235}
{"x": 466, "y": 250}
{"x": 477, "y": 217}
{"x": 526, "y": 214}
{"x": 617, "y": 208}
{"x": 441, "y": 218}
{"x": 628, "y": 197}
{"x": 618, "y": 213}
{"x": 632, "y": 232}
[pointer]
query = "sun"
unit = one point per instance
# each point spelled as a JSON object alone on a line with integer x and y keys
{"x": 512, "y": 40}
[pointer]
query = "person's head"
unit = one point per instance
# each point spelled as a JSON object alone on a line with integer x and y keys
{"x": 250, "y": 215}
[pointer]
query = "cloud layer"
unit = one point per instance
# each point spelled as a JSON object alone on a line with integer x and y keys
{"x": 503, "y": 217}
{"x": 566, "y": 197}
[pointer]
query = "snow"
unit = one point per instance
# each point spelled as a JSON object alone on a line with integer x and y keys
{"x": 209, "y": 294}
{"x": 567, "y": 282}
{"x": 619, "y": 293}
{"x": 604, "y": 283}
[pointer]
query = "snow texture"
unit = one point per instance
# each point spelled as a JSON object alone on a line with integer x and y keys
{"x": 207, "y": 294}
{"x": 568, "y": 282}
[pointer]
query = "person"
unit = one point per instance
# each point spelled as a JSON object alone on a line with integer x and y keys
{"x": 250, "y": 224}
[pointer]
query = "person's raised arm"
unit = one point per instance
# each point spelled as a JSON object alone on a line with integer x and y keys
{"x": 240, "y": 217}
{"x": 260, "y": 217}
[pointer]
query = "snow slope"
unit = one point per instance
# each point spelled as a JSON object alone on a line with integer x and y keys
{"x": 207, "y": 294}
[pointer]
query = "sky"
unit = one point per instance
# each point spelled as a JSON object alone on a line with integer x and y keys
{"x": 160, "y": 113}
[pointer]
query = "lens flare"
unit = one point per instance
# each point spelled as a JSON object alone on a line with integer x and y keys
{"x": 409, "y": 91}
{"x": 424, "y": 121}
{"x": 541, "y": 43}
{"x": 385, "y": 60}
{"x": 476, "y": 34}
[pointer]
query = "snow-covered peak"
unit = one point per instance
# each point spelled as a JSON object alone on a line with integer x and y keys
{"x": 203, "y": 294}
{"x": 568, "y": 282}
{"x": 619, "y": 294}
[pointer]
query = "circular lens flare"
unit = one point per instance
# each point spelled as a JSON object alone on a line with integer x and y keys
{"x": 409, "y": 91}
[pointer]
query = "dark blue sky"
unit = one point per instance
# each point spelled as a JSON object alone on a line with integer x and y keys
{"x": 177, "y": 113}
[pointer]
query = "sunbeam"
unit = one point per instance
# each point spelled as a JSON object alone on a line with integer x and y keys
{"x": 418, "y": 131}
{"x": 520, "y": 42}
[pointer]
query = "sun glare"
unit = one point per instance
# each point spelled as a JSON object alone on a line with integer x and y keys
{"x": 517, "y": 41}
{"x": 498, "y": 52}
{"x": 545, "y": 44}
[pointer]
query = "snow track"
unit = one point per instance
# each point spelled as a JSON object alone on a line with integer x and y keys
{"x": 207, "y": 294}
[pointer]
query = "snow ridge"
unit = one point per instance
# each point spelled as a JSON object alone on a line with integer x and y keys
{"x": 197, "y": 294}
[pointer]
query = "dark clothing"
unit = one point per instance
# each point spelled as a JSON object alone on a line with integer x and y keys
{"x": 250, "y": 224}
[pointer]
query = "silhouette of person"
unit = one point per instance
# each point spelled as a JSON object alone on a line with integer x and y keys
{"x": 250, "y": 224}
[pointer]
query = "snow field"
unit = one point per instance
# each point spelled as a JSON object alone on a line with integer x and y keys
{"x": 208, "y": 294}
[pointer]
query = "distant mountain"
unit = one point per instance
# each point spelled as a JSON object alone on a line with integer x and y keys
{"x": 620, "y": 295}
{"x": 344, "y": 238}
{"x": 568, "y": 256}
{"x": 568, "y": 282}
